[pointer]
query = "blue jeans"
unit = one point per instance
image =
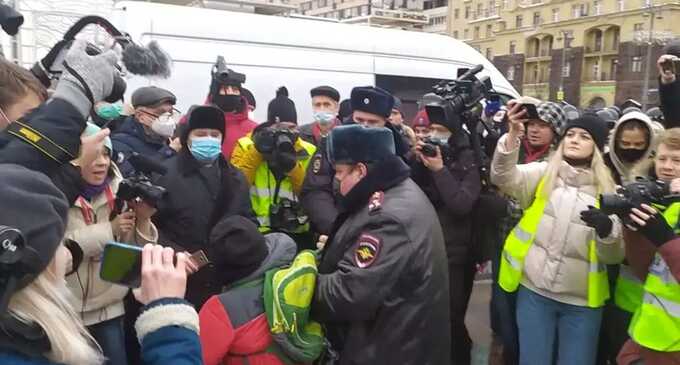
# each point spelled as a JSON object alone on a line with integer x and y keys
{"x": 110, "y": 336}
{"x": 542, "y": 321}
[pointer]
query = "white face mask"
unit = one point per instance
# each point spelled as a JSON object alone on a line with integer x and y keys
{"x": 441, "y": 137}
{"x": 165, "y": 124}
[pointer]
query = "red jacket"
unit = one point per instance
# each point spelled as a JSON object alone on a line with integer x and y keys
{"x": 222, "y": 343}
{"x": 640, "y": 253}
{"x": 237, "y": 126}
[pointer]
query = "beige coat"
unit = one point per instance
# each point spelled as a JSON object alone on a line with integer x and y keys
{"x": 97, "y": 300}
{"x": 556, "y": 265}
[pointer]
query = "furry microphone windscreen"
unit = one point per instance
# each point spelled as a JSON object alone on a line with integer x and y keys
{"x": 147, "y": 61}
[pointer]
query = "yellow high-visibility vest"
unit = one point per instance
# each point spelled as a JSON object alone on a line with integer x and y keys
{"x": 522, "y": 237}
{"x": 656, "y": 323}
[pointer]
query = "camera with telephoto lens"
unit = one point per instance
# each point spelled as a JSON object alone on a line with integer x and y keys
{"x": 641, "y": 191}
{"x": 224, "y": 75}
{"x": 139, "y": 185}
{"x": 269, "y": 140}
{"x": 286, "y": 216}
{"x": 430, "y": 147}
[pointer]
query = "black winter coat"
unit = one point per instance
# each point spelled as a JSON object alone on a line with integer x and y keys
{"x": 130, "y": 137}
{"x": 454, "y": 192}
{"x": 669, "y": 96}
{"x": 195, "y": 201}
{"x": 382, "y": 289}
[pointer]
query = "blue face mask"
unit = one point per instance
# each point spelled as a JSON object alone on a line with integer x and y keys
{"x": 324, "y": 118}
{"x": 206, "y": 149}
{"x": 110, "y": 111}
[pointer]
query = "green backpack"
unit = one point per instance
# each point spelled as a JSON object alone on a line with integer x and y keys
{"x": 288, "y": 294}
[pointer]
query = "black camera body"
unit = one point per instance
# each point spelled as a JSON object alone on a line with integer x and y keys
{"x": 430, "y": 147}
{"x": 140, "y": 185}
{"x": 641, "y": 191}
{"x": 269, "y": 140}
{"x": 286, "y": 216}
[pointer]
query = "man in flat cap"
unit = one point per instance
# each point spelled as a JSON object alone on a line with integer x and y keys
{"x": 371, "y": 107}
{"x": 325, "y": 107}
{"x": 382, "y": 288}
{"x": 149, "y": 130}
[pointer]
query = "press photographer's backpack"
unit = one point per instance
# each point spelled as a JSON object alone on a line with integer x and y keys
{"x": 288, "y": 294}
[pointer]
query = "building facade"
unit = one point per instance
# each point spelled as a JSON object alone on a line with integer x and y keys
{"x": 588, "y": 53}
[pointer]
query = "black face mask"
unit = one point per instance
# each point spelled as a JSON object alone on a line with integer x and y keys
{"x": 629, "y": 154}
{"x": 228, "y": 103}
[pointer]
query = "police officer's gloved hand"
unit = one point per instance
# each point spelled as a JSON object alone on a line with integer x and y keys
{"x": 86, "y": 79}
{"x": 599, "y": 220}
{"x": 656, "y": 230}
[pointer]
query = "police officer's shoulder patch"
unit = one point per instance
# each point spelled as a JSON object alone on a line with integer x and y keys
{"x": 316, "y": 164}
{"x": 367, "y": 250}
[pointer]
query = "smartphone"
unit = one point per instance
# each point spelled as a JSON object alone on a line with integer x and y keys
{"x": 199, "y": 258}
{"x": 122, "y": 264}
{"x": 532, "y": 113}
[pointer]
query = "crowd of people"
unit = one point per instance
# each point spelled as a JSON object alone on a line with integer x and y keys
{"x": 575, "y": 209}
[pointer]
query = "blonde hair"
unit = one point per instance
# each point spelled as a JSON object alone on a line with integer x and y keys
{"x": 45, "y": 302}
{"x": 603, "y": 177}
{"x": 670, "y": 138}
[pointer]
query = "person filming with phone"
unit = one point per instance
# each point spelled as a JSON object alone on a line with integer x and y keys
{"x": 91, "y": 224}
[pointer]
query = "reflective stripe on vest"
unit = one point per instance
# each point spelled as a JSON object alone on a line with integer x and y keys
{"x": 629, "y": 292}
{"x": 656, "y": 323}
{"x": 519, "y": 242}
{"x": 264, "y": 187}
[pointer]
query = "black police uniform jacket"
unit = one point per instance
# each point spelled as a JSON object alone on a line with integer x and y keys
{"x": 382, "y": 289}
{"x": 197, "y": 198}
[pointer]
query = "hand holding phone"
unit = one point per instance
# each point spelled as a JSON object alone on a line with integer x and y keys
{"x": 532, "y": 112}
{"x": 161, "y": 276}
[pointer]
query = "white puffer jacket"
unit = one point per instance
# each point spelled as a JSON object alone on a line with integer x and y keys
{"x": 97, "y": 300}
{"x": 556, "y": 265}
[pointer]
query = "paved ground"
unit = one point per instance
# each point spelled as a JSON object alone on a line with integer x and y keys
{"x": 477, "y": 321}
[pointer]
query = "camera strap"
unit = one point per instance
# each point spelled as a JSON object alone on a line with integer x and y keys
{"x": 88, "y": 211}
{"x": 38, "y": 140}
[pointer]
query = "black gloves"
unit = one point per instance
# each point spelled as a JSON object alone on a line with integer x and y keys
{"x": 599, "y": 220}
{"x": 656, "y": 230}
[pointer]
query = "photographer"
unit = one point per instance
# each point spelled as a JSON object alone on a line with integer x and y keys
{"x": 652, "y": 251}
{"x": 100, "y": 303}
{"x": 553, "y": 255}
{"x": 669, "y": 86}
{"x": 149, "y": 131}
{"x": 39, "y": 324}
{"x": 201, "y": 187}
{"x": 450, "y": 178}
{"x": 274, "y": 160}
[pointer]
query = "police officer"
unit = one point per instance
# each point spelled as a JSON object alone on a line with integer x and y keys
{"x": 371, "y": 107}
{"x": 382, "y": 288}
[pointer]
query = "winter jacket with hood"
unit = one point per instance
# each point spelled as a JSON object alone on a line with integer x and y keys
{"x": 97, "y": 300}
{"x": 556, "y": 265}
{"x": 234, "y": 328}
{"x": 640, "y": 254}
{"x": 623, "y": 172}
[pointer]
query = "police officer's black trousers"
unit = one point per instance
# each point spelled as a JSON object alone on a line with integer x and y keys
{"x": 461, "y": 279}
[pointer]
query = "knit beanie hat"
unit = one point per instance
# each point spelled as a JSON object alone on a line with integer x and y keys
{"x": 32, "y": 205}
{"x": 593, "y": 125}
{"x": 281, "y": 108}
{"x": 237, "y": 248}
{"x": 553, "y": 114}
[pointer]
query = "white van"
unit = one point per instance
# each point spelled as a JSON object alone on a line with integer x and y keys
{"x": 297, "y": 53}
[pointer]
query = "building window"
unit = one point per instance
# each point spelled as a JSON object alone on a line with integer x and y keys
{"x": 566, "y": 70}
{"x": 638, "y": 27}
{"x": 506, "y": 4}
{"x": 456, "y": 13}
{"x": 501, "y": 25}
{"x": 556, "y": 15}
{"x": 510, "y": 75}
{"x": 646, "y": 3}
{"x": 323, "y": 3}
{"x": 518, "y": 21}
{"x": 455, "y": 34}
{"x": 622, "y": 5}
{"x": 476, "y": 34}
{"x": 489, "y": 54}
{"x": 489, "y": 31}
{"x": 580, "y": 10}
{"x": 364, "y": 10}
{"x": 636, "y": 64}
{"x": 466, "y": 34}
{"x": 467, "y": 12}
{"x": 537, "y": 18}
{"x": 513, "y": 46}
{"x": 492, "y": 8}
{"x": 307, "y": 6}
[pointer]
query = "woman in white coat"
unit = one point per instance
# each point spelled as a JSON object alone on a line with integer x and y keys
{"x": 554, "y": 256}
